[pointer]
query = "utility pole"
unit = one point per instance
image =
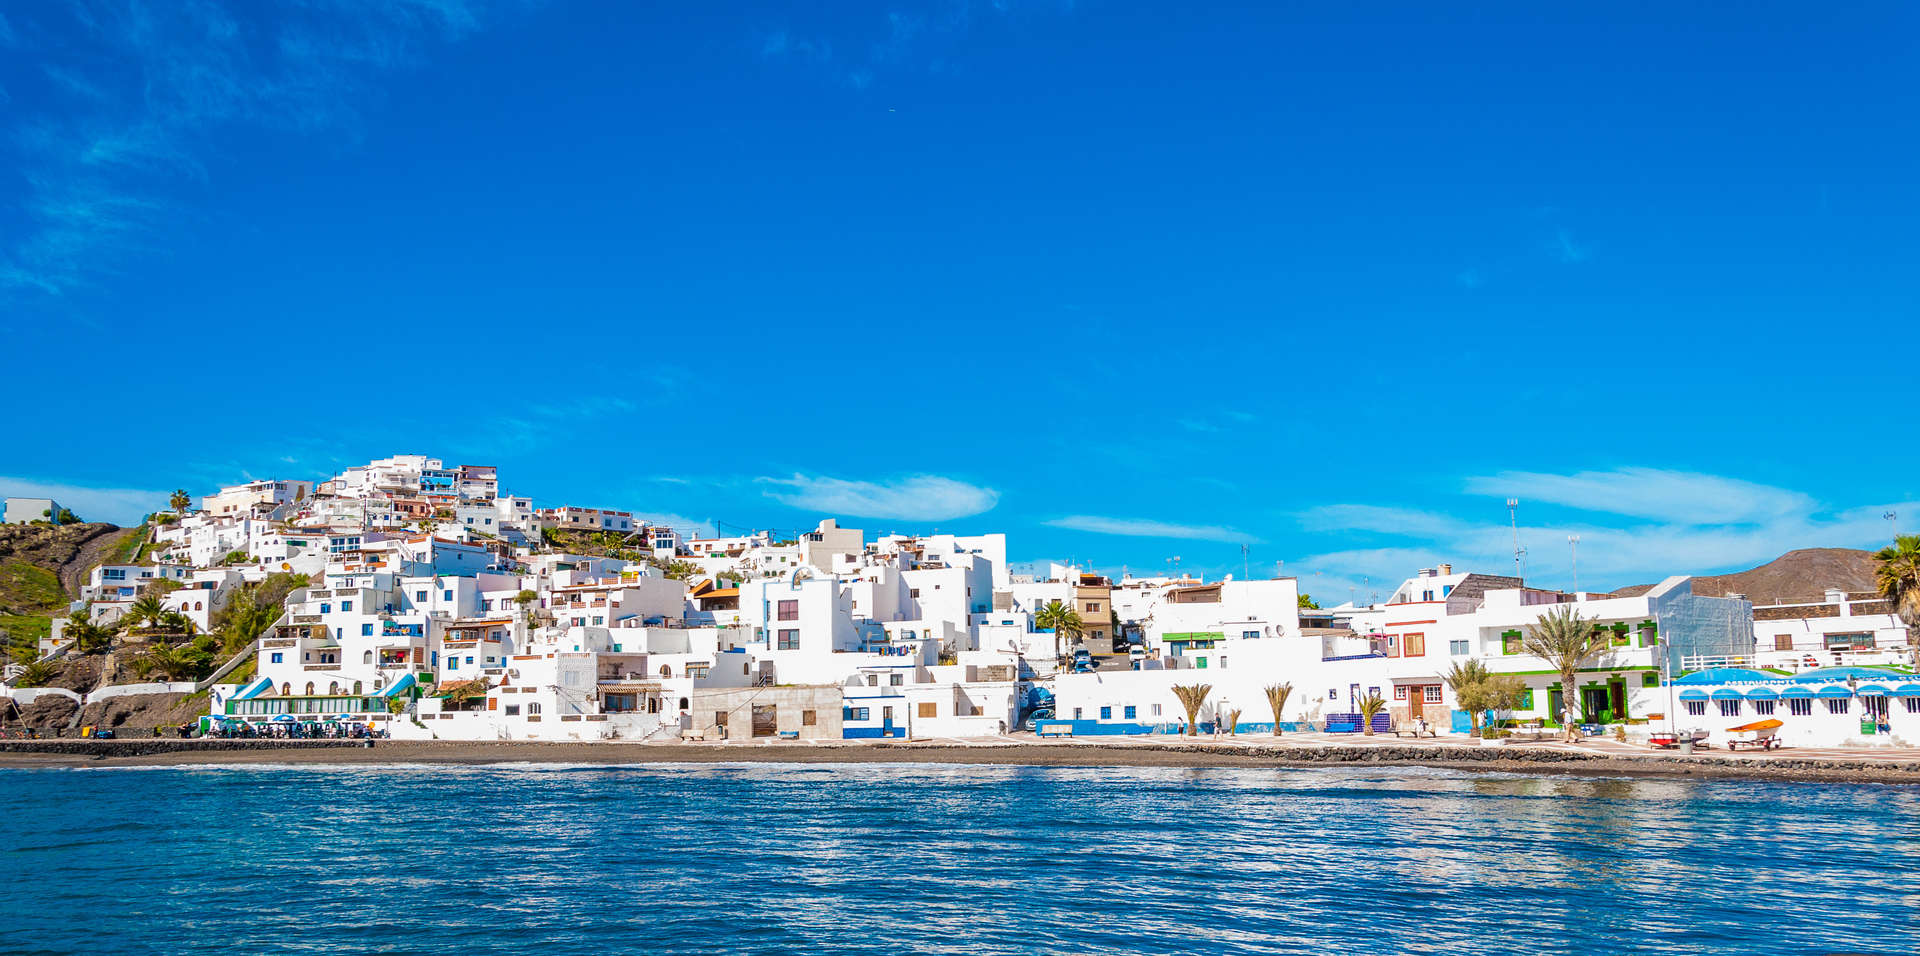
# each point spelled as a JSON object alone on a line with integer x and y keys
{"x": 1513, "y": 518}
{"x": 1573, "y": 541}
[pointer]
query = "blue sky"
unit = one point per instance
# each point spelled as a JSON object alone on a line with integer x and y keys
{"x": 1123, "y": 280}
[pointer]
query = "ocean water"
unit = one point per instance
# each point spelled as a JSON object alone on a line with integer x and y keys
{"x": 933, "y": 859}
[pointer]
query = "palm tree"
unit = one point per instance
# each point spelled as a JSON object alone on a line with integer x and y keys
{"x": 87, "y": 637}
{"x": 148, "y": 611}
{"x": 1899, "y": 579}
{"x": 180, "y": 501}
{"x": 36, "y": 674}
{"x": 1232, "y": 722}
{"x": 1192, "y": 697}
{"x": 1565, "y": 640}
{"x": 1370, "y": 705}
{"x": 1063, "y": 621}
{"x": 1277, "y": 695}
{"x": 1468, "y": 679}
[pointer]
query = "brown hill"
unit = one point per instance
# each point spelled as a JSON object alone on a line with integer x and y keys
{"x": 1797, "y": 577}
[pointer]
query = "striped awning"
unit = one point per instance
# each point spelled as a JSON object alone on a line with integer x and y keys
{"x": 1833, "y": 692}
{"x": 1907, "y": 690}
{"x": 1873, "y": 690}
{"x": 1693, "y": 693}
{"x": 1727, "y": 693}
{"x": 1763, "y": 693}
{"x": 1797, "y": 693}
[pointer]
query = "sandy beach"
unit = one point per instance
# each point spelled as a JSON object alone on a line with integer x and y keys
{"x": 1156, "y": 753}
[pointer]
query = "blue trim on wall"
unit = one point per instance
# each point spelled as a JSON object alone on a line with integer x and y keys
{"x": 871, "y": 733}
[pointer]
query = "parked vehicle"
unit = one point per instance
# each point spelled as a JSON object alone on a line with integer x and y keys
{"x": 1034, "y": 717}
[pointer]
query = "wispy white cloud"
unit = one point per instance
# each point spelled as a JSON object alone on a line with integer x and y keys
{"x": 1663, "y": 523}
{"x": 1567, "y": 250}
{"x": 132, "y": 93}
{"x": 1676, "y": 496}
{"x": 688, "y": 527}
{"x": 1146, "y": 528}
{"x": 121, "y": 506}
{"x": 913, "y": 498}
{"x": 923, "y": 37}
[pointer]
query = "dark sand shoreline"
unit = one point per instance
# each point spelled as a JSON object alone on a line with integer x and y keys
{"x": 148, "y": 753}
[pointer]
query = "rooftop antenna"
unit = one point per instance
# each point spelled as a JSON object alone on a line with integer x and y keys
{"x": 1573, "y": 541}
{"x": 1245, "y": 570}
{"x": 1893, "y": 522}
{"x": 1513, "y": 518}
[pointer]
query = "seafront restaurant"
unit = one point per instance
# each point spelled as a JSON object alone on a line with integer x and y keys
{"x": 1823, "y": 707}
{"x": 259, "y": 702}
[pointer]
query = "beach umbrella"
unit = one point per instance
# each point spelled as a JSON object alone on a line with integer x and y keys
{"x": 285, "y": 718}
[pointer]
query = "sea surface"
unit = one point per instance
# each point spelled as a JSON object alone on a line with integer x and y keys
{"x": 937, "y": 859}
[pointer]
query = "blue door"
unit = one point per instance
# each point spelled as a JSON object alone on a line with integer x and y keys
{"x": 886, "y": 721}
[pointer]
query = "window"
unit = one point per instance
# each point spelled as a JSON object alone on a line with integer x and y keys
{"x": 326, "y": 608}
{"x": 1433, "y": 694}
{"x": 788, "y": 640}
{"x": 1458, "y": 648}
{"x": 1249, "y": 634}
{"x": 807, "y": 719}
{"x": 1696, "y": 707}
{"x": 114, "y": 574}
{"x": 1076, "y": 713}
{"x": 1799, "y": 707}
{"x": 1912, "y": 704}
{"x": 1093, "y": 605}
{"x": 896, "y": 680}
{"x": 1106, "y": 713}
{"x": 914, "y": 592}
{"x": 276, "y": 657}
{"x": 513, "y": 710}
{"x": 1838, "y": 706}
{"x": 346, "y": 605}
{"x": 1128, "y": 712}
{"x": 1729, "y": 708}
{"x": 1416, "y": 645}
{"x": 720, "y": 719}
{"x": 1783, "y": 642}
{"x": 929, "y": 709}
{"x": 366, "y": 630}
{"x": 420, "y": 597}
{"x": 1156, "y": 710}
{"x": 1763, "y": 708}
{"x": 788, "y": 611}
{"x": 698, "y": 670}
{"x": 1399, "y": 692}
{"x": 533, "y": 707}
{"x": 446, "y": 595}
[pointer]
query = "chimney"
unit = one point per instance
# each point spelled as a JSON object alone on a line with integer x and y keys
{"x": 1446, "y": 569}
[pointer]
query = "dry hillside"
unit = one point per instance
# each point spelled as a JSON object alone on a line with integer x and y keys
{"x": 1797, "y": 577}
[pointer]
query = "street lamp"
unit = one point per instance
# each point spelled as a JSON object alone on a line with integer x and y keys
{"x": 1573, "y": 541}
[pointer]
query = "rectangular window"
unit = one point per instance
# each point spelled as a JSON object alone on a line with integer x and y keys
{"x": 1106, "y": 713}
{"x": 788, "y": 611}
{"x": 1249, "y": 635}
{"x": 1697, "y": 707}
{"x": 420, "y": 597}
{"x": 366, "y": 630}
{"x": 1399, "y": 692}
{"x": 720, "y": 719}
{"x": 1799, "y": 707}
{"x": 1763, "y": 708}
{"x": 1837, "y": 706}
{"x": 446, "y": 595}
{"x": 277, "y": 658}
{"x": 896, "y": 680}
{"x": 346, "y": 605}
{"x": 1076, "y": 713}
{"x": 1458, "y": 648}
{"x": 914, "y": 592}
{"x": 1729, "y": 708}
{"x": 1129, "y": 712}
{"x": 1433, "y": 694}
{"x": 1416, "y": 645}
{"x": 1156, "y": 710}
{"x": 1093, "y": 605}
{"x": 1783, "y": 642}
{"x": 513, "y": 710}
{"x": 929, "y": 709}
{"x": 326, "y": 608}
{"x": 788, "y": 640}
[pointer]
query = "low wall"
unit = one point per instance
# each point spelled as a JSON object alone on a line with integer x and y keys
{"x": 134, "y": 747}
{"x": 27, "y": 695}
{"x": 153, "y": 687}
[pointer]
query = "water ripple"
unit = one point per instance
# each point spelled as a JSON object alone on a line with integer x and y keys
{"x": 929, "y": 858}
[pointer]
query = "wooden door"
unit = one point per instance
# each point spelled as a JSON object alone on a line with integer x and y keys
{"x": 1416, "y": 702}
